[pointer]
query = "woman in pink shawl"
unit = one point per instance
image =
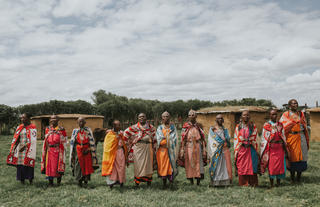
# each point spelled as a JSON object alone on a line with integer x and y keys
{"x": 273, "y": 149}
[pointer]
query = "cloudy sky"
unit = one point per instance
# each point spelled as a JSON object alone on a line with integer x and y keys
{"x": 159, "y": 49}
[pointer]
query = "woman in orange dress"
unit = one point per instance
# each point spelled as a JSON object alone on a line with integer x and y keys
{"x": 167, "y": 144}
{"x": 295, "y": 128}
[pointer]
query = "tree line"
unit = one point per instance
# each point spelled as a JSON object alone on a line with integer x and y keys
{"x": 113, "y": 106}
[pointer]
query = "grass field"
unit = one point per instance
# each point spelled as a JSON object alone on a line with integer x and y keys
{"x": 13, "y": 194}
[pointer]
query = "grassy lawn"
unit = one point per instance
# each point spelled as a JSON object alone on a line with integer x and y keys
{"x": 12, "y": 193}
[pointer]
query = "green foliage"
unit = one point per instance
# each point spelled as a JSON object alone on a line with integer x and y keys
{"x": 245, "y": 102}
{"x": 100, "y": 96}
{"x": 12, "y": 193}
{"x": 112, "y": 106}
{"x": 8, "y": 119}
{"x": 58, "y": 107}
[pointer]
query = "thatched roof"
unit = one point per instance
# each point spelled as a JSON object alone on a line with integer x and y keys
{"x": 315, "y": 109}
{"x": 231, "y": 109}
{"x": 69, "y": 116}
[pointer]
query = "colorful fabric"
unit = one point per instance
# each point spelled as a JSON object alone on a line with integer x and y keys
{"x": 282, "y": 176}
{"x": 112, "y": 143}
{"x": 53, "y": 152}
{"x": 184, "y": 134}
{"x": 135, "y": 133}
{"x": 139, "y": 180}
{"x": 28, "y": 156}
{"x": 296, "y": 132}
{"x": 118, "y": 173}
{"x": 245, "y": 149}
{"x": 273, "y": 148}
{"x": 142, "y": 143}
{"x": 167, "y": 144}
{"x": 82, "y": 163}
{"x": 23, "y": 141}
{"x": 219, "y": 155}
{"x": 193, "y": 147}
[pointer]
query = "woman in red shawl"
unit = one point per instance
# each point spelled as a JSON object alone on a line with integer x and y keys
{"x": 245, "y": 151}
{"x": 53, "y": 152}
{"x": 273, "y": 149}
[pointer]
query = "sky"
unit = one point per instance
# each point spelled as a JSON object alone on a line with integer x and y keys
{"x": 160, "y": 49}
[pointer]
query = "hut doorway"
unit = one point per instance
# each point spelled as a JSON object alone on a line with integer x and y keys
{"x": 44, "y": 124}
{"x": 237, "y": 117}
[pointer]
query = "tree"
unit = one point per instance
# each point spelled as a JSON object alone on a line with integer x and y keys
{"x": 8, "y": 119}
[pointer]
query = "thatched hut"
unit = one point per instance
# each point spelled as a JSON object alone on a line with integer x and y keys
{"x": 68, "y": 121}
{"x": 232, "y": 115}
{"x": 315, "y": 123}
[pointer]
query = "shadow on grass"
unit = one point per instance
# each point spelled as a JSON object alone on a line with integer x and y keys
{"x": 310, "y": 179}
{"x": 312, "y": 168}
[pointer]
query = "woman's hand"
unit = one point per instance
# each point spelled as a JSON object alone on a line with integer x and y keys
{"x": 181, "y": 155}
{"x": 22, "y": 148}
{"x": 86, "y": 151}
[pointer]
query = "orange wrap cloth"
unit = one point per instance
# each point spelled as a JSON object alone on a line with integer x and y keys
{"x": 167, "y": 144}
{"x": 110, "y": 148}
{"x": 296, "y": 132}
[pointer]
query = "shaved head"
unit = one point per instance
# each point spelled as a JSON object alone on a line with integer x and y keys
{"x": 81, "y": 122}
{"x": 219, "y": 119}
{"x": 273, "y": 111}
{"x": 192, "y": 115}
{"x": 81, "y": 118}
{"x": 165, "y": 117}
{"x": 165, "y": 113}
{"x": 142, "y": 118}
{"x": 219, "y": 116}
{"x": 293, "y": 104}
{"x": 116, "y": 125}
{"x": 291, "y": 100}
{"x": 245, "y": 116}
{"x": 54, "y": 119}
{"x": 192, "y": 112}
{"x": 116, "y": 122}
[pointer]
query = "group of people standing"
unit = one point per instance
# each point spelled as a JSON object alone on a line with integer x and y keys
{"x": 283, "y": 145}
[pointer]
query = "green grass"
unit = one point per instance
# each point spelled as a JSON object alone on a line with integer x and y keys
{"x": 12, "y": 193}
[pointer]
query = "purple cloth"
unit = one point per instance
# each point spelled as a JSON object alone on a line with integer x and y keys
{"x": 169, "y": 177}
{"x": 25, "y": 172}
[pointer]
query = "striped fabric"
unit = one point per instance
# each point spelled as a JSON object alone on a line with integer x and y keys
{"x": 23, "y": 135}
{"x": 73, "y": 152}
{"x": 139, "y": 180}
{"x": 23, "y": 140}
{"x": 135, "y": 133}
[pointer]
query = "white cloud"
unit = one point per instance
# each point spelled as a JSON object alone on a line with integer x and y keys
{"x": 167, "y": 50}
{"x": 79, "y": 7}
